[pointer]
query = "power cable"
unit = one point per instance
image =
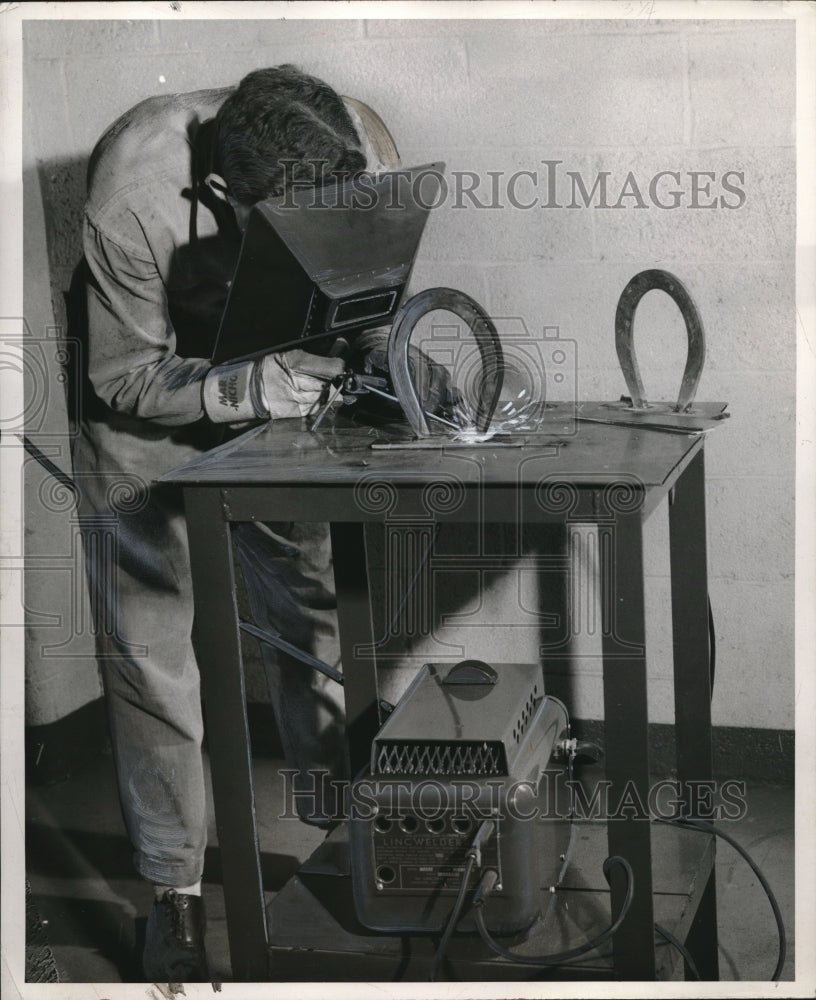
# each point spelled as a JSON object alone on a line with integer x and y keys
{"x": 700, "y": 825}
{"x": 487, "y": 885}
{"x": 675, "y": 943}
{"x": 453, "y": 920}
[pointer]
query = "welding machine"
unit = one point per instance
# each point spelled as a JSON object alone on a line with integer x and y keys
{"x": 468, "y": 749}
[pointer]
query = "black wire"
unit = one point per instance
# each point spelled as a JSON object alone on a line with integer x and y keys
{"x": 275, "y": 640}
{"x": 562, "y": 957}
{"x": 698, "y": 824}
{"x": 712, "y": 646}
{"x": 49, "y": 466}
{"x": 680, "y": 947}
{"x": 299, "y": 654}
{"x": 453, "y": 920}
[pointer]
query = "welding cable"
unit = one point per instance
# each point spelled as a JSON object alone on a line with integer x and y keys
{"x": 62, "y": 478}
{"x": 474, "y": 859}
{"x": 272, "y": 639}
{"x": 675, "y": 943}
{"x": 453, "y": 920}
{"x": 488, "y": 883}
{"x": 698, "y": 824}
{"x": 393, "y": 399}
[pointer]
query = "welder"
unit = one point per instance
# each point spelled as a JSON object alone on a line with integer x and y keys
{"x": 170, "y": 188}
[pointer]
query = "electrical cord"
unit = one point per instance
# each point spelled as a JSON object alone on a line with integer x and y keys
{"x": 667, "y": 935}
{"x": 453, "y": 920}
{"x": 62, "y": 478}
{"x": 488, "y": 883}
{"x": 270, "y": 638}
{"x": 474, "y": 859}
{"x": 700, "y": 825}
{"x": 680, "y": 947}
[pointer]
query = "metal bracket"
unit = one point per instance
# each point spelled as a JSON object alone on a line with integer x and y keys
{"x": 644, "y": 282}
{"x": 487, "y": 340}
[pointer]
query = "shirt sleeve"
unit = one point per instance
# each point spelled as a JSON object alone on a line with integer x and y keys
{"x": 132, "y": 361}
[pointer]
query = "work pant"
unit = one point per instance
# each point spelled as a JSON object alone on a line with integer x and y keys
{"x": 141, "y": 593}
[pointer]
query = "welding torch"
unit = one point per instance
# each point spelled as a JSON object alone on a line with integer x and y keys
{"x": 351, "y": 385}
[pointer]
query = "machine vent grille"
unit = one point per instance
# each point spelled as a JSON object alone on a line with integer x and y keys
{"x": 444, "y": 757}
{"x": 527, "y": 713}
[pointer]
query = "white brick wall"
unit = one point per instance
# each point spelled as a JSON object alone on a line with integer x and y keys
{"x": 504, "y": 95}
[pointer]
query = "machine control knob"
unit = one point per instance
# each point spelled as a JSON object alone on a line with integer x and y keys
{"x": 471, "y": 672}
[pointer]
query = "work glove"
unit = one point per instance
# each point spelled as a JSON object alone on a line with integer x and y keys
{"x": 277, "y": 385}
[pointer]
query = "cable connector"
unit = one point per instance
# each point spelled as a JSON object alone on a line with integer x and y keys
{"x": 483, "y": 834}
{"x": 574, "y": 749}
{"x": 487, "y": 884}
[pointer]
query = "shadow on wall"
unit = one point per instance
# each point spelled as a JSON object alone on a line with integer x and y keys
{"x": 468, "y": 601}
{"x": 61, "y": 671}
{"x": 62, "y": 185}
{"x": 51, "y": 275}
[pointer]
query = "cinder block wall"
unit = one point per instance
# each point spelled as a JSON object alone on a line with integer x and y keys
{"x": 503, "y": 96}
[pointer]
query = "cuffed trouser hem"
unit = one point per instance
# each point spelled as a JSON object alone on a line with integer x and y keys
{"x": 169, "y": 872}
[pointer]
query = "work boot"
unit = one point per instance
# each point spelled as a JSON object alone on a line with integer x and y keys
{"x": 174, "y": 942}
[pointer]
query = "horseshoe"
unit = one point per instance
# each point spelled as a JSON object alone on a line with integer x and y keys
{"x": 487, "y": 340}
{"x": 644, "y": 282}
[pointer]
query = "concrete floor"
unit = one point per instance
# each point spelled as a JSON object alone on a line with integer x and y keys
{"x": 94, "y": 909}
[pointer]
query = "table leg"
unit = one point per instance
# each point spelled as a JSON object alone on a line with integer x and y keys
{"x": 356, "y": 632}
{"x": 689, "y": 585}
{"x": 692, "y": 678}
{"x": 701, "y": 940}
{"x": 218, "y": 649}
{"x": 627, "y": 742}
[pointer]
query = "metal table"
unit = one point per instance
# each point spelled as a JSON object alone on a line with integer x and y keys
{"x": 611, "y": 476}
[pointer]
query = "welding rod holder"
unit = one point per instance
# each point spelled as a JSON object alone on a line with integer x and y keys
{"x": 487, "y": 340}
{"x": 644, "y": 282}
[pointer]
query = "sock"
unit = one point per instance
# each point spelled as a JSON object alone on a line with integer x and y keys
{"x": 184, "y": 890}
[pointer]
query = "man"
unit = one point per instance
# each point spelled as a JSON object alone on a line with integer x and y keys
{"x": 170, "y": 187}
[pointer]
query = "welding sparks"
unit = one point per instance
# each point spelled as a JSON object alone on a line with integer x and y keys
{"x": 513, "y": 416}
{"x": 472, "y": 436}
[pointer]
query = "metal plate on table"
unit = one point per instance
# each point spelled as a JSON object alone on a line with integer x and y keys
{"x": 658, "y": 416}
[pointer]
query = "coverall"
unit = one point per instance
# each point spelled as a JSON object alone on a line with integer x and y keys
{"x": 160, "y": 253}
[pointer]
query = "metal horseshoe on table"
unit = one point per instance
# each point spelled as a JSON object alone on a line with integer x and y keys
{"x": 644, "y": 282}
{"x": 487, "y": 340}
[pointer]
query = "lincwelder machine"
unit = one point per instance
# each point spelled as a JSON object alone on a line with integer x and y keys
{"x": 469, "y": 753}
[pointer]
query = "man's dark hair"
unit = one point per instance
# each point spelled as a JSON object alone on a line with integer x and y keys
{"x": 282, "y": 126}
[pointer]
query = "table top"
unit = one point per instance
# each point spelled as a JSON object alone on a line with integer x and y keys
{"x": 566, "y": 449}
